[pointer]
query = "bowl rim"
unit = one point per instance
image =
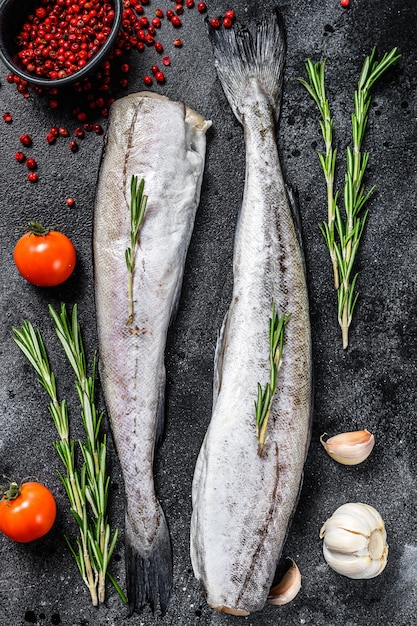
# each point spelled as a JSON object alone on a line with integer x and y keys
{"x": 85, "y": 71}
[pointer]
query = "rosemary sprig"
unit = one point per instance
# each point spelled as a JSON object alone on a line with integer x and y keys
{"x": 87, "y": 488}
{"x": 263, "y": 403}
{"x": 342, "y": 235}
{"x": 138, "y": 203}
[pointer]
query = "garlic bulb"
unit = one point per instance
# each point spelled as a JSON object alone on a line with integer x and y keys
{"x": 349, "y": 448}
{"x": 355, "y": 541}
{"x": 287, "y": 588}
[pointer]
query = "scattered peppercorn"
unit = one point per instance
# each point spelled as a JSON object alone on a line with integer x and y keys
{"x": 70, "y": 202}
{"x": 73, "y": 146}
{"x": 344, "y": 3}
{"x": 25, "y": 139}
{"x": 160, "y": 77}
{"x": 7, "y": 117}
{"x": 31, "y": 163}
{"x": 215, "y": 22}
{"x": 33, "y": 177}
{"x": 201, "y": 7}
{"x": 20, "y": 157}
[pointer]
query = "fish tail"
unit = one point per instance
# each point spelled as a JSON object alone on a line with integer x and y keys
{"x": 242, "y": 56}
{"x": 149, "y": 573}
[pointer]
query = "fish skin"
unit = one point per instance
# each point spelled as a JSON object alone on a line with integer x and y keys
{"x": 164, "y": 143}
{"x": 243, "y": 503}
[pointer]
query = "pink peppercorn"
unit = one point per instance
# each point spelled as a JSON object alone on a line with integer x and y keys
{"x": 25, "y": 139}
{"x": 31, "y": 164}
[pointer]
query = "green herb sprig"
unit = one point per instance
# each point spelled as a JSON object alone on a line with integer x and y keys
{"x": 138, "y": 202}
{"x": 87, "y": 488}
{"x": 263, "y": 403}
{"x": 343, "y": 234}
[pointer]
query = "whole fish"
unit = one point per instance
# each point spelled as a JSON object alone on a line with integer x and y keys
{"x": 162, "y": 142}
{"x": 243, "y": 501}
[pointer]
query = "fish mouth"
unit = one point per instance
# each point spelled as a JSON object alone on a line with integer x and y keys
{"x": 229, "y": 610}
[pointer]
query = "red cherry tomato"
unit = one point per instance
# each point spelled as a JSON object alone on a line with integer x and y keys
{"x": 44, "y": 257}
{"x": 27, "y": 511}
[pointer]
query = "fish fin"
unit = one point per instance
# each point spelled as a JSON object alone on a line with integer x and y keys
{"x": 160, "y": 413}
{"x": 294, "y": 202}
{"x": 175, "y": 301}
{"x": 218, "y": 358}
{"x": 241, "y": 57}
{"x": 149, "y": 575}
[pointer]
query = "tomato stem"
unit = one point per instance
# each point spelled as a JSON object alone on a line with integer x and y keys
{"x": 37, "y": 229}
{"x": 12, "y": 491}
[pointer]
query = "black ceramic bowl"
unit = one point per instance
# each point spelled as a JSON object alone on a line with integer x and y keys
{"x": 13, "y": 14}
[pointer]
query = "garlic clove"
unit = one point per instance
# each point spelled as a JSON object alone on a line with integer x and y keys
{"x": 356, "y": 517}
{"x": 345, "y": 541}
{"x": 287, "y": 588}
{"x": 355, "y": 541}
{"x": 350, "y": 448}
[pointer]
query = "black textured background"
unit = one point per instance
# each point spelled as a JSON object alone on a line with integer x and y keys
{"x": 371, "y": 385}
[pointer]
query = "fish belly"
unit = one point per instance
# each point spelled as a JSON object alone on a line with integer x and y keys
{"x": 162, "y": 142}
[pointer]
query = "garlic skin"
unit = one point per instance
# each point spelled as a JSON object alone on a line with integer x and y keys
{"x": 350, "y": 448}
{"x": 287, "y": 588}
{"x": 355, "y": 541}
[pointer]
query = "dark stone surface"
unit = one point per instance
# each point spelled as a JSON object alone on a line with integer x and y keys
{"x": 371, "y": 385}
